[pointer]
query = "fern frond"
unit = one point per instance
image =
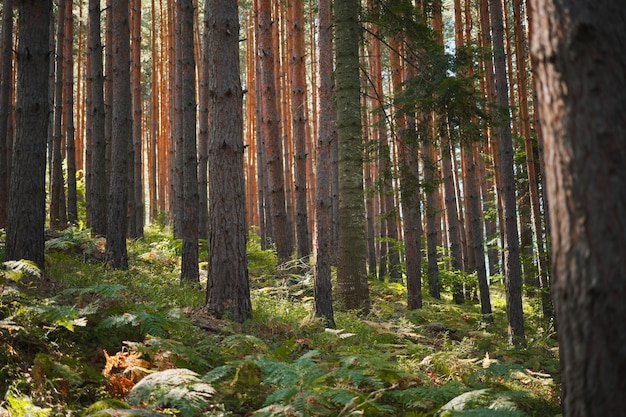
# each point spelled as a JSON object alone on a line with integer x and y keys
{"x": 22, "y": 267}
{"x": 179, "y": 388}
{"x": 217, "y": 373}
{"x": 282, "y": 395}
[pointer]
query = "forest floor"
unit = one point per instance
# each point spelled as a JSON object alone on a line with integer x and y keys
{"x": 81, "y": 335}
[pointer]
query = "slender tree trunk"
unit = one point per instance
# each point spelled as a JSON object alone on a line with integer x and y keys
{"x": 189, "y": 263}
{"x": 352, "y": 286}
{"x": 26, "y": 211}
{"x": 323, "y": 204}
{"x": 58, "y": 214}
{"x": 579, "y": 53}
{"x": 295, "y": 11}
{"x": 512, "y": 267}
{"x": 203, "y": 138}
{"x": 136, "y": 197}
{"x": 121, "y": 136}
{"x": 98, "y": 155}
{"x": 434, "y": 287}
{"x": 70, "y": 145}
{"x": 6, "y": 85}
{"x": 228, "y": 290}
{"x": 271, "y": 134}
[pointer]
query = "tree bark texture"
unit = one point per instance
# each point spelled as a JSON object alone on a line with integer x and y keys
{"x": 579, "y": 54}
{"x": 189, "y": 263}
{"x": 121, "y": 133}
{"x": 68, "y": 108}
{"x": 6, "y": 84}
{"x": 352, "y": 286}
{"x": 295, "y": 10}
{"x": 98, "y": 153}
{"x": 58, "y": 213}
{"x": 506, "y": 190}
{"x": 323, "y": 204}
{"x": 228, "y": 290}
{"x": 270, "y": 131}
{"x": 26, "y": 214}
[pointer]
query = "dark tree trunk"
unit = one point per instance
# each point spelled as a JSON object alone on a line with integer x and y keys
{"x": 122, "y": 137}
{"x": 323, "y": 204}
{"x": 189, "y": 263}
{"x": 98, "y": 152}
{"x": 70, "y": 146}
{"x": 26, "y": 214}
{"x": 430, "y": 168}
{"x": 476, "y": 226}
{"x": 506, "y": 190}
{"x": 176, "y": 105}
{"x": 203, "y": 138}
{"x": 6, "y": 85}
{"x": 58, "y": 214}
{"x": 136, "y": 164}
{"x": 228, "y": 290}
{"x": 579, "y": 53}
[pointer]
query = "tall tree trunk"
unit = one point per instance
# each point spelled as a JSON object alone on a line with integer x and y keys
{"x": 512, "y": 267}
{"x": 533, "y": 180}
{"x": 228, "y": 290}
{"x": 323, "y": 204}
{"x": 136, "y": 195}
{"x": 271, "y": 133}
{"x": 155, "y": 161}
{"x": 295, "y": 11}
{"x": 452, "y": 216}
{"x": 177, "y": 142}
{"x": 203, "y": 138}
{"x": 58, "y": 214}
{"x": 70, "y": 145}
{"x": 26, "y": 212}
{"x": 352, "y": 286}
{"x": 189, "y": 264}
{"x": 6, "y": 85}
{"x": 430, "y": 167}
{"x": 579, "y": 53}
{"x": 122, "y": 136}
{"x": 98, "y": 153}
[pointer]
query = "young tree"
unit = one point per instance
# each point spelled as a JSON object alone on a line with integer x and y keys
{"x": 26, "y": 215}
{"x": 121, "y": 135}
{"x": 228, "y": 289}
{"x": 579, "y": 54}
{"x": 352, "y": 286}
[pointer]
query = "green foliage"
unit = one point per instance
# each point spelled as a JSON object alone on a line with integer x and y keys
{"x": 180, "y": 389}
{"x": 15, "y": 270}
{"x": 262, "y": 263}
{"x": 22, "y": 406}
{"x": 281, "y": 362}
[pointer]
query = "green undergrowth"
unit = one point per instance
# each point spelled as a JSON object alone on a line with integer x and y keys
{"x": 81, "y": 333}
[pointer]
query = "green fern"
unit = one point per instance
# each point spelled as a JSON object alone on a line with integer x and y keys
{"x": 15, "y": 270}
{"x": 179, "y": 388}
{"x": 149, "y": 320}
